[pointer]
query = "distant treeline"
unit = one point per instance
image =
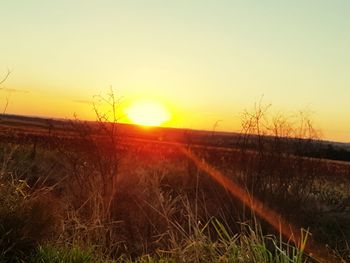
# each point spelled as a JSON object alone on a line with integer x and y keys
{"x": 272, "y": 144}
{"x": 332, "y": 152}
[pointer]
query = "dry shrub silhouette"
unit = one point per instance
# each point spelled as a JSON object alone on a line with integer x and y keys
{"x": 274, "y": 165}
{"x": 93, "y": 164}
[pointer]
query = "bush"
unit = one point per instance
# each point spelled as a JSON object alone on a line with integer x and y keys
{"x": 26, "y": 219}
{"x": 274, "y": 166}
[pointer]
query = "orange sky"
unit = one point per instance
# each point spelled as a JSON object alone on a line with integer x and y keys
{"x": 206, "y": 61}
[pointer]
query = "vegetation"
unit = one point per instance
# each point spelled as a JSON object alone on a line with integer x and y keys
{"x": 96, "y": 195}
{"x": 84, "y": 239}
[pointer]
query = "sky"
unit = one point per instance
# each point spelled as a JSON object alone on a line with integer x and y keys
{"x": 207, "y": 61}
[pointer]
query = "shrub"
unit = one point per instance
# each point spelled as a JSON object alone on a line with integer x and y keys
{"x": 273, "y": 161}
{"x": 26, "y": 219}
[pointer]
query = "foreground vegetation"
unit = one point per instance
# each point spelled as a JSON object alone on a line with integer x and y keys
{"x": 99, "y": 196}
{"x": 37, "y": 226}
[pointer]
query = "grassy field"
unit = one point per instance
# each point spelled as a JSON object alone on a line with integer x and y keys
{"x": 70, "y": 192}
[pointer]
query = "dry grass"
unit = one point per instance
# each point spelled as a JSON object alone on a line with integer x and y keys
{"x": 141, "y": 203}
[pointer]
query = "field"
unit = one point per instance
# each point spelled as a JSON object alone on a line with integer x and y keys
{"x": 103, "y": 192}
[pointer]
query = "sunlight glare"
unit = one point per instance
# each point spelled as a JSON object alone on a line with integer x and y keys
{"x": 147, "y": 113}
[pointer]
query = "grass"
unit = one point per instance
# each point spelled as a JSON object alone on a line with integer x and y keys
{"x": 56, "y": 205}
{"x": 49, "y": 254}
{"x": 249, "y": 246}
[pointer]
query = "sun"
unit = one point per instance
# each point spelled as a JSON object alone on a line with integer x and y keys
{"x": 147, "y": 113}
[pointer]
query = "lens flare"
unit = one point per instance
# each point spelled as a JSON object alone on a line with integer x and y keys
{"x": 271, "y": 216}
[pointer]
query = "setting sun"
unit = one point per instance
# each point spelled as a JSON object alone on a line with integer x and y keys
{"x": 147, "y": 113}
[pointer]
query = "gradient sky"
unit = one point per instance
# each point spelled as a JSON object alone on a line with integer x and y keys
{"x": 207, "y": 60}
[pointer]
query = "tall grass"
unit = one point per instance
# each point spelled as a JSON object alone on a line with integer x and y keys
{"x": 92, "y": 201}
{"x": 153, "y": 223}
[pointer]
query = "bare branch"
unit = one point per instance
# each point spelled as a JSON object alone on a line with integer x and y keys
{"x": 6, "y": 76}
